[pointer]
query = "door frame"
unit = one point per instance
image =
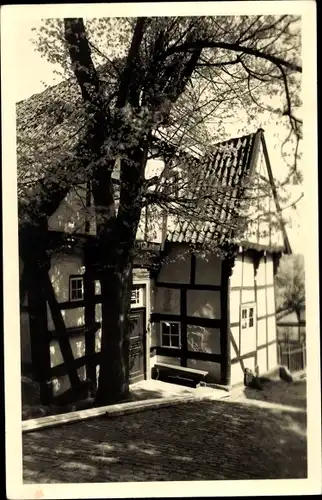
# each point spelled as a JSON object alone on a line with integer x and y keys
{"x": 146, "y": 283}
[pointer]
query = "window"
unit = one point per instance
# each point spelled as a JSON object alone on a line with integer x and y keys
{"x": 170, "y": 334}
{"x": 76, "y": 288}
{"x": 136, "y": 296}
{"x": 247, "y": 316}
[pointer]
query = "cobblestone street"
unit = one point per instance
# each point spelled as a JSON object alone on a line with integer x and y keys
{"x": 237, "y": 438}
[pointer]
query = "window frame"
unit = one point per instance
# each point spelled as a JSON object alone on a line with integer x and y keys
{"x": 73, "y": 278}
{"x": 140, "y": 297}
{"x": 163, "y": 322}
{"x": 247, "y": 306}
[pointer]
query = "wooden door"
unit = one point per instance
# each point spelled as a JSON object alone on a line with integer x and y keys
{"x": 137, "y": 345}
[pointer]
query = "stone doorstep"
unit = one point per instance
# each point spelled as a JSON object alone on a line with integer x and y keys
{"x": 111, "y": 411}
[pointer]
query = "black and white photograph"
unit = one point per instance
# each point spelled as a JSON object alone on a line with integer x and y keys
{"x": 161, "y": 329}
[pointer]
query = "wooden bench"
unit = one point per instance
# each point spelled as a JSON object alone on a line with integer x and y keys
{"x": 180, "y": 375}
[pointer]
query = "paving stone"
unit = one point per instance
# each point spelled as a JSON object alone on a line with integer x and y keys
{"x": 202, "y": 440}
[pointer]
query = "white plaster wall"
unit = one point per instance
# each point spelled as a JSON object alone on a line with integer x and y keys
{"x": 167, "y": 300}
{"x": 98, "y": 312}
{"x": 264, "y": 232}
{"x": 25, "y": 338}
{"x": 203, "y": 304}
{"x": 56, "y": 357}
{"x": 270, "y": 300}
{"x": 272, "y": 356}
{"x": 269, "y": 270}
{"x": 235, "y": 335}
{"x": 97, "y": 285}
{"x": 176, "y": 269}
{"x": 98, "y": 340}
{"x": 60, "y": 385}
{"x": 261, "y": 360}
{"x": 77, "y": 344}
{"x": 154, "y": 167}
{"x": 236, "y": 277}
{"x": 248, "y": 272}
{"x": 234, "y": 306}
{"x": 72, "y": 317}
{"x": 202, "y": 339}
{"x": 261, "y": 302}
{"x": 168, "y": 360}
{"x": 212, "y": 368}
{"x": 260, "y": 277}
{"x": 271, "y": 328}
{"x": 236, "y": 374}
{"x": 62, "y": 266}
{"x": 208, "y": 270}
{"x": 247, "y": 340}
{"x": 249, "y": 363}
{"x": 261, "y": 331}
{"x": 248, "y": 296}
{"x": 71, "y": 214}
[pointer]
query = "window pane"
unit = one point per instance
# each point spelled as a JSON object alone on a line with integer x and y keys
{"x": 174, "y": 329}
{"x": 175, "y": 341}
{"x": 166, "y": 328}
{"x": 166, "y": 340}
{"x": 244, "y": 313}
{"x": 251, "y": 312}
{"x": 251, "y": 321}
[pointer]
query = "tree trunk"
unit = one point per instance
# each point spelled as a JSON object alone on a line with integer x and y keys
{"x": 116, "y": 245}
{"x": 113, "y": 383}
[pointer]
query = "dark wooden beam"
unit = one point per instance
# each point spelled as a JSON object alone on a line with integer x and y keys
{"x": 190, "y": 320}
{"x": 251, "y": 287}
{"x": 176, "y": 353}
{"x": 89, "y": 297}
{"x": 225, "y": 334}
{"x": 266, "y": 305}
{"x": 184, "y": 337}
{"x": 62, "y": 369}
{"x": 208, "y": 288}
{"x": 39, "y": 345}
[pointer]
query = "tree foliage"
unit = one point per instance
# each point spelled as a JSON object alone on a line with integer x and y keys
{"x": 290, "y": 283}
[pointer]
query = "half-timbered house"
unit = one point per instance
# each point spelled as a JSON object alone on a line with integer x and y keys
{"x": 193, "y": 318}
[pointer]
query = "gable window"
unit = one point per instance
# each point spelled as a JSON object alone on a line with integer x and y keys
{"x": 247, "y": 316}
{"x": 170, "y": 334}
{"x": 76, "y": 288}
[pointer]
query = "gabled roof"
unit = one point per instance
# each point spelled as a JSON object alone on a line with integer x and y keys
{"x": 230, "y": 166}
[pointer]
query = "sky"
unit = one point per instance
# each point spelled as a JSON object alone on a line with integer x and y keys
{"x": 32, "y": 72}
